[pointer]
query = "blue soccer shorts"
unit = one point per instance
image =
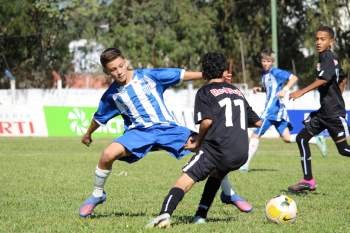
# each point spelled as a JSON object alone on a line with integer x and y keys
{"x": 279, "y": 125}
{"x": 139, "y": 142}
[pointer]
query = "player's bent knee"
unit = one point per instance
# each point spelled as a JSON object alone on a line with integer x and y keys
{"x": 299, "y": 138}
{"x": 303, "y": 136}
{"x": 185, "y": 182}
{"x": 109, "y": 156}
{"x": 286, "y": 140}
{"x": 343, "y": 148}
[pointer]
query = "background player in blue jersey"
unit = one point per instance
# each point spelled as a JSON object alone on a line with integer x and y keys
{"x": 137, "y": 95}
{"x": 276, "y": 83}
{"x": 222, "y": 142}
{"x": 331, "y": 116}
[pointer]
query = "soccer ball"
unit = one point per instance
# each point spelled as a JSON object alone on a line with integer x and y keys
{"x": 281, "y": 209}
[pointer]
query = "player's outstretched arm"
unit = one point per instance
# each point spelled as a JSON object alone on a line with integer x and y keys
{"x": 298, "y": 93}
{"x": 292, "y": 80}
{"x": 86, "y": 139}
{"x": 192, "y": 75}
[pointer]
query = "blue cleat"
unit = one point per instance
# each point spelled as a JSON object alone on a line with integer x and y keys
{"x": 87, "y": 208}
{"x": 237, "y": 201}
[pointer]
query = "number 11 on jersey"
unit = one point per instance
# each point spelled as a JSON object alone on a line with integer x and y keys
{"x": 226, "y": 102}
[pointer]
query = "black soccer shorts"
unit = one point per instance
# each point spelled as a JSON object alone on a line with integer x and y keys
{"x": 203, "y": 164}
{"x": 336, "y": 126}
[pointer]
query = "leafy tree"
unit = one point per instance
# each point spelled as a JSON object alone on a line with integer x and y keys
{"x": 34, "y": 34}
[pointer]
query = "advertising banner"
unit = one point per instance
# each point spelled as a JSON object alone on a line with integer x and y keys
{"x": 74, "y": 121}
{"x": 53, "y": 121}
{"x": 18, "y": 121}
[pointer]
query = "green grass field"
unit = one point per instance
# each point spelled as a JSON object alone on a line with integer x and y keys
{"x": 43, "y": 181}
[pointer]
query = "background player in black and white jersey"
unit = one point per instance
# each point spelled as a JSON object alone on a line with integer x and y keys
{"x": 331, "y": 115}
{"x": 221, "y": 145}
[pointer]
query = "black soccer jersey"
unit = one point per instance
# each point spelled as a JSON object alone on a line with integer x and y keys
{"x": 231, "y": 114}
{"x": 331, "y": 100}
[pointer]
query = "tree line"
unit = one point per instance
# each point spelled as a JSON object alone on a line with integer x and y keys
{"x": 34, "y": 34}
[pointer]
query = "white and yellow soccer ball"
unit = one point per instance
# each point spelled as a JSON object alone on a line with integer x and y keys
{"x": 281, "y": 209}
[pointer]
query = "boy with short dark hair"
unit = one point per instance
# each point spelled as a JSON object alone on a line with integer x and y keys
{"x": 222, "y": 142}
{"x": 331, "y": 115}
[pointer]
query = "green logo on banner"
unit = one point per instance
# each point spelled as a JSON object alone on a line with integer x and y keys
{"x": 74, "y": 121}
{"x": 78, "y": 121}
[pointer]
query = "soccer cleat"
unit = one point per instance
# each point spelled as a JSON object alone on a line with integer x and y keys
{"x": 321, "y": 144}
{"x": 303, "y": 185}
{"x": 237, "y": 201}
{"x": 87, "y": 208}
{"x": 161, "y": 221}
{"x": 199, "y": 220}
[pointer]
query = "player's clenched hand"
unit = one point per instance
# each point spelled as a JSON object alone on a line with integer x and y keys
{"x": 86, "y": 139}
{"x": 191, "y": 144}
{"x": 281, "y": 93}
{"x": 295, "y": 94}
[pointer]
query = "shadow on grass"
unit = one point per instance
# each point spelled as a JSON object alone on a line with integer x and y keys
{"x": 177, "y": 220}
{"x": 301, "y": 193}
{"x": 260, "y": 170}
{"x": 119, "y": 214}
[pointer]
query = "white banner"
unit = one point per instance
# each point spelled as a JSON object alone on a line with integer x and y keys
{"x": 22, "y": 121}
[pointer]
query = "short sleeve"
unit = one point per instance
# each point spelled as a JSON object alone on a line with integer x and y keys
{"x": 327, "y": 67}
{"x": 203, "y": 108}
{"x": 281, "y": 75}
{"x": 107, "y": 108}
{"x": 165, "y": 76}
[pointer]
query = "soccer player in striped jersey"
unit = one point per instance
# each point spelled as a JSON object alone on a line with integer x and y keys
{"x": 137, "y": 95}
{"x": 276, "y": 83}
{"x": 330, "y": 82}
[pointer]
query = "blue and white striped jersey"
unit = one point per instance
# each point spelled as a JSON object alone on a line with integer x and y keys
{"x": 274, "y": 81}
{"x": 140, "y": 102}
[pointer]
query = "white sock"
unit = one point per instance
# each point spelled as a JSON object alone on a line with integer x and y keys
{"x": 253, "y": 147}
{"x": 100, "y": 180}
{"x": 293, "y": 138}
{"x": 313, "y": 140}
{"x": 226, "y": 187}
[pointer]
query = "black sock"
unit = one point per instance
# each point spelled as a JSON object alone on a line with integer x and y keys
{"x": 210, "y": 189}
{"x": 305, "y": 155}
{"x": 171, "y": 201}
